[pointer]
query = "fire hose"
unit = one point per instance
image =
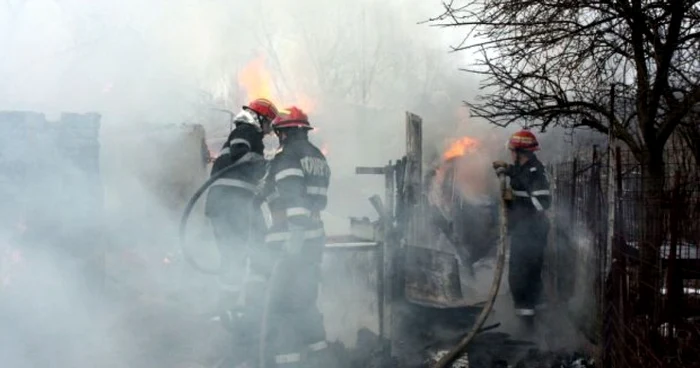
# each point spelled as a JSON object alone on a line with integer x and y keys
{"x": 459, "y": 349}
{"x": 188, "y": 211}
{"x": 216, "y": 271}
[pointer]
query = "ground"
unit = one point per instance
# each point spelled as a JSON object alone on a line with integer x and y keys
{"x": 153, "y": 311}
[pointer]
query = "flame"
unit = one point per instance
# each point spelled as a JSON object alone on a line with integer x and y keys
{"x": 460, "y": 147}
{"x": 258, "y": 82}
{"x": 466, "y": 164}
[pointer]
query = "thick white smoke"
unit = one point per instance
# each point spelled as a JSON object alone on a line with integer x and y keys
{"x": 145, "y": 65}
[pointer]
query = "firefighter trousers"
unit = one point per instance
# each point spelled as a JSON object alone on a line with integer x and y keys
{"x": 296, "y": 332}
{"x": 238, "y": 227}
{"x": 528, "y": 239}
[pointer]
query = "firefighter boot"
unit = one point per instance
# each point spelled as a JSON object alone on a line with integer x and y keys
{"x": 285, "y": 347}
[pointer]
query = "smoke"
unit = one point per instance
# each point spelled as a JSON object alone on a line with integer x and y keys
{"x": 170, "y": 61}
{"x": 148, "y": 66}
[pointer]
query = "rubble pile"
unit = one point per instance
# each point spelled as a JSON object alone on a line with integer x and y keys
{"x": 488, "y": 350}
{"x": 540, "y": 359}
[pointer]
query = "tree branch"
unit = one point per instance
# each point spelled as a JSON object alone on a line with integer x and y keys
{"x": 676, "y": 117}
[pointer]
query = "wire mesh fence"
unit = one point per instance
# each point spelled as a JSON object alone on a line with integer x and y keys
{"x": 631, "y": 252}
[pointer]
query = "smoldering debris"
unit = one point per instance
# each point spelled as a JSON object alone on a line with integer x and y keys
{"x": 489, "y": 350}
{"x": 184, "y": 76}
{"x": 539, "y": 359}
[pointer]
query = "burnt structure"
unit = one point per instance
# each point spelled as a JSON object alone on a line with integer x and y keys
{"x": 462, "y": 207}
{"x": 423, "y": 312}
{"x": 421, "y": 305}
{"x": 50, "y": 184}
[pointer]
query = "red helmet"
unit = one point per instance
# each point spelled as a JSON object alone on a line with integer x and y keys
{"x": 523, "y": 140}
{"x": 263, "y": 107}
{"x": 291, "y": 117}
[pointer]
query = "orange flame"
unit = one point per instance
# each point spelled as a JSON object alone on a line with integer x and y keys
{"x": 466, "y": 165}
{"x": 460, "y": 147}
{"x": 258, "y": 82}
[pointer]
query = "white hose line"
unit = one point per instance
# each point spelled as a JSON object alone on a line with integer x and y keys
{"x": 461, "y": 347}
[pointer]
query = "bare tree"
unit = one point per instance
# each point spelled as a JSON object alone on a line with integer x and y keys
{"x": 555, "y": 62}
{"x": 690, "y": 132}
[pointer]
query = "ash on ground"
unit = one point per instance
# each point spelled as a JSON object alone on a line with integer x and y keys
{"x": 488, "y": 350}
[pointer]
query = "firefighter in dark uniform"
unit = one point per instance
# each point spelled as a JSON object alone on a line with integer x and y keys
{"x": 296, "y": 189}
{"x": 528, "y": 225}
{"x": 233, "y": 208}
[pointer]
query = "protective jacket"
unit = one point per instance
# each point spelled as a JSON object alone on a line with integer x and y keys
{"x": 296, "y": 188}
{"x": 243, "y": 147}
{"x": 530, "y": 186}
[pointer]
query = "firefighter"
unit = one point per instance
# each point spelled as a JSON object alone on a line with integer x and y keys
{"x": 296, "y": 189}
{"x": 233, "y": 208}
{"x": 528, "y": 225}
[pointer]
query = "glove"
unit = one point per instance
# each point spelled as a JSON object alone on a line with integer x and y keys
{"x": 508, "y": 194}
{"x": 295, "y": 242}
{"x": 501, "y": 167}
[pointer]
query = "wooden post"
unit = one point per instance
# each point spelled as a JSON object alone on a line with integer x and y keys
{"x": 572, "y": 203}
{"x": 384, "y": 302}
{"x": 619, "y": 255}
{"x": 414, "y": 175}
{"x": 593, "y": 217}
{"x": 389, "y": 189}
{"x": 573, "y": 229}
{"x": 605, "y": 356}
{"x": 674, "y": 279}
{"x": 553, "y": 266}
{"x": 385, "y": 253}
{"x": 409, "y": 173}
